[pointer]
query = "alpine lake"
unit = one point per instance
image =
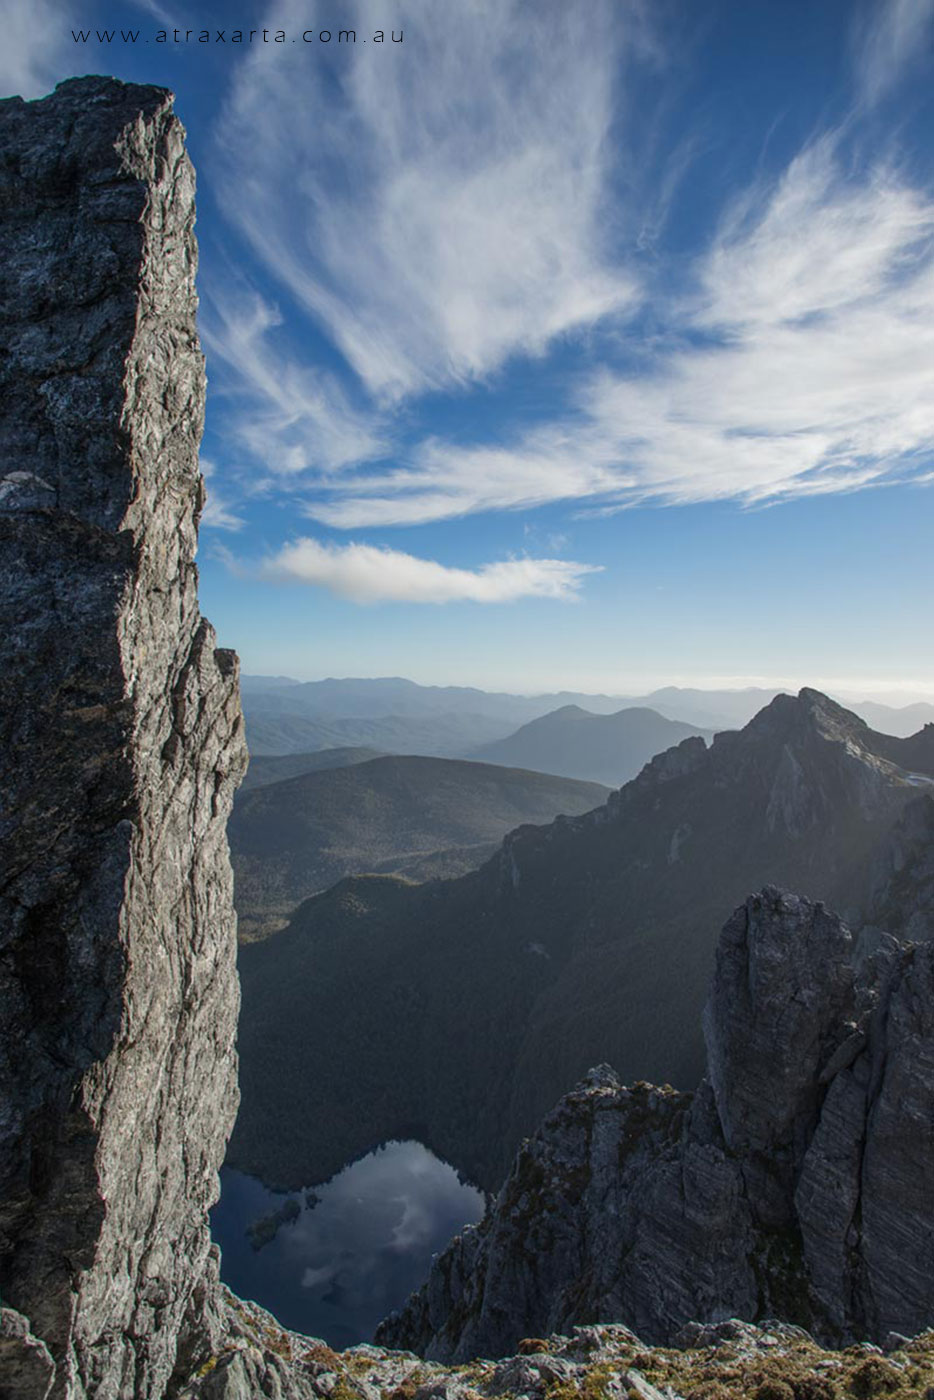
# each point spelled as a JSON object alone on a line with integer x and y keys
{"x": 333, "y": 1261}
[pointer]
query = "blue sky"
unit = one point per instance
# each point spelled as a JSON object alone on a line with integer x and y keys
{"x": 559, "y": 345}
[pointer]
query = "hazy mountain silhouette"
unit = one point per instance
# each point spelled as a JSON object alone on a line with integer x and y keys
{"x": 399, "y": 716}
{"x": 608, "y": 749}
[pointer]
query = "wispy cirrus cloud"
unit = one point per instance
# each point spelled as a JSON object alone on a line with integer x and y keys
{"x": 441, "y": 205}
{"x": 292, "y": 417}
{"x": 893, "y": 37}
{"x": 799, "y": 364}
{"x": 436, "y": 230}
{"x": 367, "y": 574}
{"x": 33, "y": 56}
{"x": 157, "y": 11}
{"x": 818, "y": 295}
{"x": 217, "y": 513}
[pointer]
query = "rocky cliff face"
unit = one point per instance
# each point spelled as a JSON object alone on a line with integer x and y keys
{"x": 898, "y": 892}
{"x": 584, "y": 941}
{"x": 797, "y": 1182}
{"x": 121, "y": 742}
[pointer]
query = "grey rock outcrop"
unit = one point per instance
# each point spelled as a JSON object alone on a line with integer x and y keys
{"x": 781, "y": 1003}
{"x": 26, "y": 1368}
{"x": 121, "y": 743}
{"x": 797, "y": 1182}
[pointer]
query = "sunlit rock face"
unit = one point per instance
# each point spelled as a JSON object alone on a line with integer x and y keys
{"x": 121, "y": 743}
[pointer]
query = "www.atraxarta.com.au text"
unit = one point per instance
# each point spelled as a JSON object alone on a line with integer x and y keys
{"x": 232, "y": 36}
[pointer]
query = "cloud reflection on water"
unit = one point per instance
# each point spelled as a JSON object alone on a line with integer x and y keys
{"x": 357, "y": 1247}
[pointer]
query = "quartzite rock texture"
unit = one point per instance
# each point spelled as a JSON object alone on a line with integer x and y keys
{"x": 121, "y": 743}
{"x": 798, "y": 1181}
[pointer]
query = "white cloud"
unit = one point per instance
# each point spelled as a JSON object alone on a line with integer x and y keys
{"x": 437, "y": 227}
{"x": 217, "y": 512}
{"x": 801, "y": 365}
{"x": 818, "y": 300}
{"x": 289, "y": 416}
{"x": 158, "y": 11}
{"x": 33, "y": 50}
{"x": 218, "y": 515}
{"x": 367, "y": 574}
{"x": 438, "y": 205}
{"x": 893, "y": 38}
{"x": 442, "y": 480}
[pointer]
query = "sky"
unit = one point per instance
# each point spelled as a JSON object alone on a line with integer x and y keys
{"x": 554, "y": 345}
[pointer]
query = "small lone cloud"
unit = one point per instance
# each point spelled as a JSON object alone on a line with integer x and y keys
{"x": 369, "y": 574}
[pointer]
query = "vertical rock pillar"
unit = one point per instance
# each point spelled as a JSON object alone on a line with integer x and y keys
{"x": 121, "y": 744}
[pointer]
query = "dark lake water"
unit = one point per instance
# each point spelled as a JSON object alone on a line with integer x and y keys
{"x": 339, "y": 1258}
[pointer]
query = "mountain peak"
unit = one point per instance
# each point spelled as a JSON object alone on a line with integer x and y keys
{"x": 816, "y": 703}
{"x": 809, "y": 712}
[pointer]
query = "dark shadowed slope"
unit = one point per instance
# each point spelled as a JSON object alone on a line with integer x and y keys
{"x": 290, "y": 839}
{"x": 460, "y": 1011}
{"x": 602, "y": 748}
{"x": 275, "y": 768}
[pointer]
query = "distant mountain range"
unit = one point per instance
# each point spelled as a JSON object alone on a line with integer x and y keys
{"x": 608, "y": 749}
{"x": 364, "y": 697}
{"x": 460, "y": 1011}
{"x": 903, "y": 722}
{"x": 420, "y": 817}
{"x": 398, "y": 716}
{"x": 434, "y": 735}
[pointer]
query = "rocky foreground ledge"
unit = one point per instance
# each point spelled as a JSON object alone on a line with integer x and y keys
{"x": 729, "y": 1360}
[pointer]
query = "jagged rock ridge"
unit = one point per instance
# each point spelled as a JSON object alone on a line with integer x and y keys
{"x": 122, "y": 743}
{"x": 797, "y": 1182}
{"x": 462, "y": 1011}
